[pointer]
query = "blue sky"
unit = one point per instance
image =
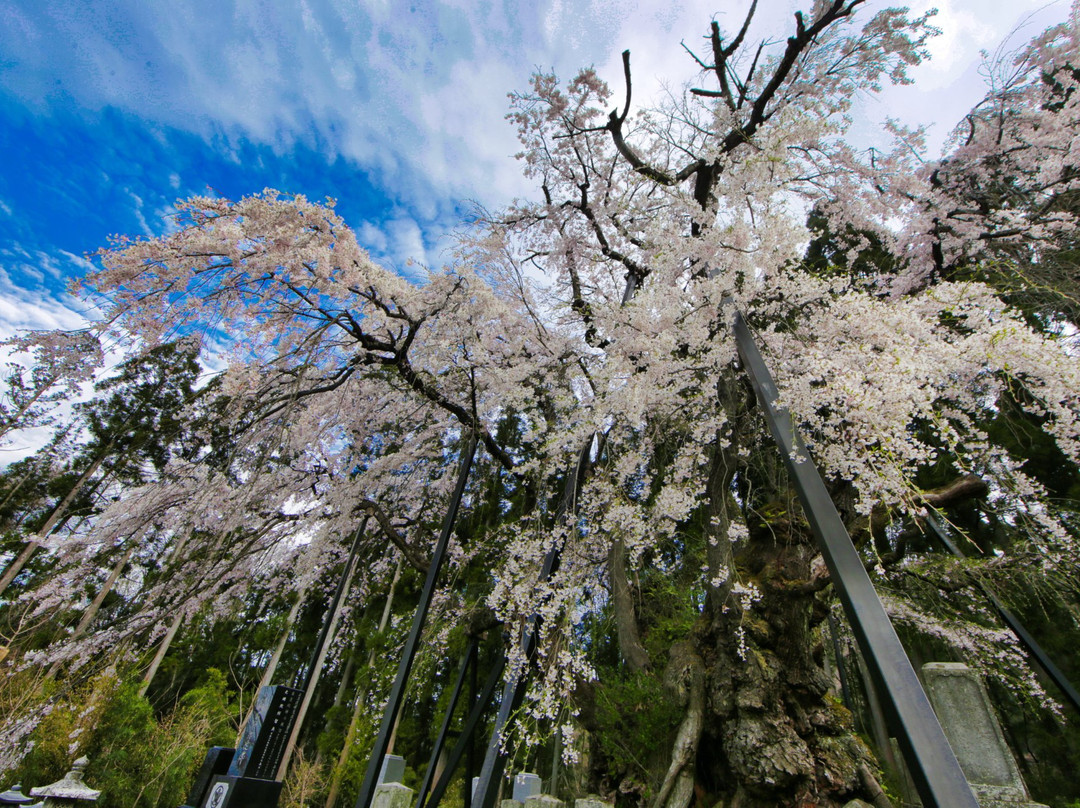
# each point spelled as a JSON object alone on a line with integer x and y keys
{"x": 110, "y": 110}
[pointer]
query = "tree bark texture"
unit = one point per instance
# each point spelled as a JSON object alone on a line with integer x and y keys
{"x": 759, "y": 726}
{"x": 772, "y": 735}
{"x": 634, "y": 655}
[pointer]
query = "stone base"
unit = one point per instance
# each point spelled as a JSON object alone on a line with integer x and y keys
{"x": 592, "y": 801}
{"x": 544, "y": 801}
{"x": 230, "y": 791}
{"x": 1003, "y": 797}
{"x": 392, "y": 795}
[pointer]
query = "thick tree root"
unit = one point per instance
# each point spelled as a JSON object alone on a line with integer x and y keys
{"x": 685, "y": 678}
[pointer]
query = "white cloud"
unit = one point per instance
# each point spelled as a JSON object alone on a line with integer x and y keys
{"x": 26, "y": 308}
{"x": 33, "y": 315}
{"x": 950, "y": 83}
{"x": 371, "y": 238}
{"x": 406, "y": 245}
{"x": 414, "y": 94}
{"x": 137, "y": 210}
{"x": 417, "y": 97}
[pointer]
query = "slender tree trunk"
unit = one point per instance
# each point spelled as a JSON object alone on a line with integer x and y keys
{"x": 361, "y": 699}
{"x": 17, "y": 565}
{"x": 339, "y": 696}
{"x": 60, "y": 511}
{"x": 17, "y": 487}
{"x": 271, "y": 666}
{"x": 633, "y": 652}
{"x": 393, "y": 735}
{"x": 92, "y": 610}
{"x": 685, "y": 679}
{"x": 350, "y": 666}
{"x": 314, "y": 676}
{"x": 12, "y": 422}
{"x": 34, "y": 465}
{"x": 162, "y": 650}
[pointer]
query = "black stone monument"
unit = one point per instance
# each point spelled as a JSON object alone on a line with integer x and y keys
{"x": 246, "y": 777}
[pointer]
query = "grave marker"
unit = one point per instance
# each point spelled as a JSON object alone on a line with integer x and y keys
{"x": 526, "y": 785}
{"x": 393, "y": 770}
{"x": 971, "y": 725}
{"x": 249, "y": 771}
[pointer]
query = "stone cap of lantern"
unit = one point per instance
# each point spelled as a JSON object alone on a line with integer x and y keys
{"x": 14, "y": 795}
{"x": 70, "y": 786}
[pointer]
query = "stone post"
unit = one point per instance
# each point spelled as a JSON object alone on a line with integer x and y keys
{"x": 391, "y": 792}
{"x": 526, "y": 785}
{"x": 971, "y": 726}
{"x": 393, "y": 770}
{"x": 392, "y": 795}
{"x": 544, "y": 801}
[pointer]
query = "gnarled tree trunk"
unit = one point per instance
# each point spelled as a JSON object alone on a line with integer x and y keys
{"x": 760, "y": 728}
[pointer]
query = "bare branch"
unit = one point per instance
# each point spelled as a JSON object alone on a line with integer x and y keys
{"x": 388, "y": 529}
{"x": 965, "y": 487}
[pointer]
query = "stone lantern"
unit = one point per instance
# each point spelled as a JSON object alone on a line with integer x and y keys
{"x": 70, "y": 791}
{"x": 14, "y": 796}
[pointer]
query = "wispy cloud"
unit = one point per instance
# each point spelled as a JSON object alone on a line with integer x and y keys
{"x": 395, "y": 107}
{"x": 29, "y": 306}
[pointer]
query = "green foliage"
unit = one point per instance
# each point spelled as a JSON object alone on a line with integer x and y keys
{"x": 670, "y": 616}
{"x": 208, "y": 646}
{"x": 634, "y": 716}
{"x": 1022, "y": 433}
{"x": 830, "y": 254}
{"x": 121, "y": 748}
{"x": 305, "y": 787}
{"x": 51, "y": 754}
{"x": 138, "y": 414}
{"x": 335, "y": 723}
{"x": 136, "y": 759}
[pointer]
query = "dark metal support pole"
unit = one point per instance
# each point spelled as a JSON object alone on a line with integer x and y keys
{"x": 491, "y": 772}
{"x": 470, "y": 749}
{"x": 931, "y": 762}
{"x": 429, "y": 775}
{"x": 1013, "y": 622}
{"x": 302, "y": 683}
{"x": 467, "y": 732}
{"x": 397, "y": 692}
